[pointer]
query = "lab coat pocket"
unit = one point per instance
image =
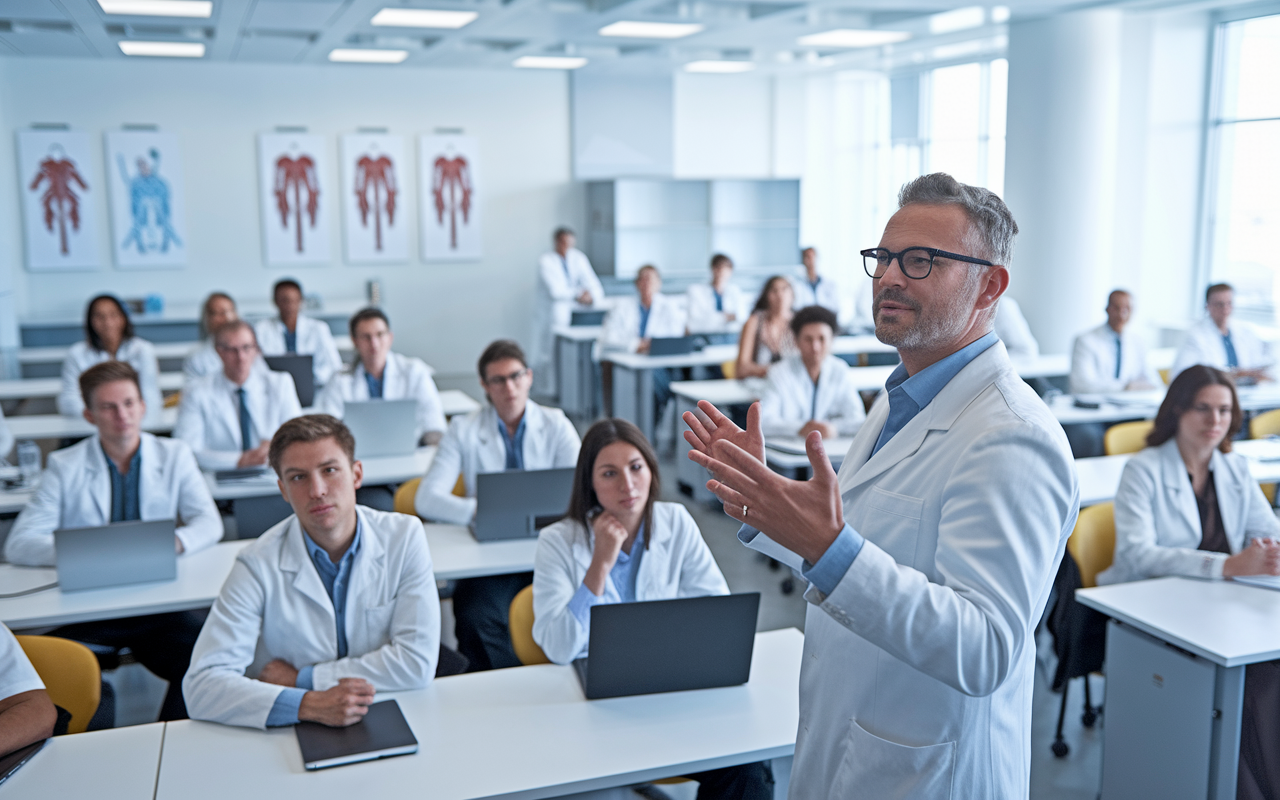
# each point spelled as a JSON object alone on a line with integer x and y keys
{"x": 892, "y": 521}
{"x": 875, "y": 767}
{"x": 377, "y": 621}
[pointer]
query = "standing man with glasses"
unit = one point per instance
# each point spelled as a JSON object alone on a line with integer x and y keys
{"x": 1216, "y": 341}
{"x": 931, "y": 556}
{"x": 565, "y": 279}
{"x": 509, "y": 432}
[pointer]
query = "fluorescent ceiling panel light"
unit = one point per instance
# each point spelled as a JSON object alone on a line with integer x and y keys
{"x": 957, "y": 20}
{"x": 423, "y": 18}
{"x": 651, "y": 30}
{"x": 850, "y": 37}
{"x": 549, "y": 62}
{"x": 168, "y": 49}
{"x": 158, "y": 8}
{"x": 1000, "y": 15}
{"x": 366, "y": 56}
{"x": 722, "y": 67}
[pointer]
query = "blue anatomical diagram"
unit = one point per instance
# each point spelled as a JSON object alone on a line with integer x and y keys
{"x": 151, "y": 230}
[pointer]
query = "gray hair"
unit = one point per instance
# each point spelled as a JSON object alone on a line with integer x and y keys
{"x": 227, "y": 328}
{"x": 991, "y": 225}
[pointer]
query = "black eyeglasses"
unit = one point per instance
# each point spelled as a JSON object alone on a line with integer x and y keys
{"x": 915, "y": 262}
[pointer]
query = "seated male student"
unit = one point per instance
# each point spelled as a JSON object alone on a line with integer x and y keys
{"x": 1111, "y": 357}
{"x": 331, "y": 605}
{"x": 631, "y": 327}
{"x": 27, "y": 715}
{"x": 1217, "y": 341}
{"x": 719, "y": 306}
{"x": 510, "y": 432}
{"x": 229, "y": 417}
{"x": 379, "y": 374}
{"x": 294, "y": 332}
{"x": 117, "y": 475}
{"x": 811, "y": 390}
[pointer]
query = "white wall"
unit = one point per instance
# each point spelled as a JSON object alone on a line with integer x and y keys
{"x": 723, "y": 126}
{"x": 444, "y": 313}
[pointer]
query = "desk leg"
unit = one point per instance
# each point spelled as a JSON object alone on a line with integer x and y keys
{"x": 566, "y": 376}
{"x": 633, "y": 397}
{"x": 588, "y": 380}
{"x": 1224, "y": 760}
{"x": 781, "y": 777}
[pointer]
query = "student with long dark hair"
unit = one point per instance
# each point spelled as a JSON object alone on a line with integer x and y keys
{"x": 108, "y": 336}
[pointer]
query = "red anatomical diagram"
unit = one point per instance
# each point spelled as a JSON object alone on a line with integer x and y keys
{"x": 296, "y": 175}
{"x": 61, "y": 203}
{"x": 451, "y": 185}
{"x": 376, "y": 177}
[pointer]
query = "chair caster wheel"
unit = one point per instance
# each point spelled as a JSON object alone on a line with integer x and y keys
{"x": 1088, "y": 718}
{"x": 1060, "y": 749}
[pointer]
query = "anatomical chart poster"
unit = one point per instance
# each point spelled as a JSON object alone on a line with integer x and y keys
{"x": 375, "y": 229}
{"x": 148, "y": 216}
{"x": 296, "y": 197}
{"x": 448, "y": 175}
{"x": 59, "y": 194}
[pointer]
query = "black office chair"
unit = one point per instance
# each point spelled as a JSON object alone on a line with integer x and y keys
{"x": 1080, "y": 642}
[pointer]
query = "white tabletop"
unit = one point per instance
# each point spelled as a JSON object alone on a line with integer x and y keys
{"x": 1228, "y": 623}
{"x": 720, "y": 353}
{"x": 578, "y": 333}
{"x": 525, "y": 732}
{"x": 164, "y": 350}
{"x": 118, "y": 764}
{"x": 56, "y": 426}
{"x": 788, "y": 452}
{"x": 34, "y": 388}
{"x": 377, "y": 472}
{"x": 455, "y": 401}
{"x": 456, "y": 553}
{"x": 1144, "y": 405}
{"x": 1100, "y": 476}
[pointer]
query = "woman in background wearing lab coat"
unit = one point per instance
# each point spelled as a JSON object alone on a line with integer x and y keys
{"x": 766, "y": 336}
{"x": 1188, "y": 506}
{"x": 108, "y": 334}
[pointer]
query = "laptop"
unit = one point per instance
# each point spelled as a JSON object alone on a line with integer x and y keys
{"x": 674, "y": 345}
{"x": 12, "y": 762}
{"x": 515, "y": 504}
{"x": 669, "y": 645}
{"x": 383, "y": 427}
{"x": 115, "y": 555}
{"x": 587, "y": 317}
{"x": 304, "y": 380}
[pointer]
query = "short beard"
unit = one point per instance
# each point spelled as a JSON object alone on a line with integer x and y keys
{"x": 927, "y": 332}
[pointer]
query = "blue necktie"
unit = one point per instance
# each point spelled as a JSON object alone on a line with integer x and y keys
{"x": 246, "y": 422}
{"x": 1232, "y": 361}
{"x": 291, "y": 341}
{"x": 719, "y": 300}
{"x": 1117, "y": 357}
{"x": 644, "y": 319}
{"x": 565, "y": 261}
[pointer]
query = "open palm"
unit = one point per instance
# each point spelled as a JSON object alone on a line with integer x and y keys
{"x": 711, "y": 426}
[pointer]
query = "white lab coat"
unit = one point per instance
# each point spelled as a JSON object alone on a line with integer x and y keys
{"x": 404, "y": 378}
{"x": 209, "y": 417}
{"x": 473, "y": 445}
{"x": 75, "y": 492}
{"x": 918, "y": 667}
{"x": 1012, "y": 328}
{"x": 16, "y": 673}
{"x": 700, "y": 304}
{"x": 622, "y": 323}
{"x": 137, "y": 353}
{"x": 314, "y": 339}
{"x": 1158, "y": 521}
{"x": 677, "y": 563}
{"x": 556, "y": 298}
{"x": 788, "y": 399}
{"x": 827, "y": 294}
{"x": 6, "y": 437}
{"x": 1093, "y": 362}
{"x": 1203, "y": 345}
{"x": 201, "y": 361}
{"x": 274, "y": 605}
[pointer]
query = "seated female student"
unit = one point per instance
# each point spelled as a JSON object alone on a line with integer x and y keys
{"x": 1188, "y": 506}
{"x": 619, "y": 545}
{"x": 108, "y": 334}
{"x": 218, "y": 310}
{"x": 766, "y": 336}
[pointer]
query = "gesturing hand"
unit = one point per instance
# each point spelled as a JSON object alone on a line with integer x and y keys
{"x": 339, "y": 706}
{"x": 713, "y": 426}
{"x": 1261, "y": 557}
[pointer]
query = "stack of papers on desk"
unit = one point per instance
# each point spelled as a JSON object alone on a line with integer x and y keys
{"x": 1265, "y": 581}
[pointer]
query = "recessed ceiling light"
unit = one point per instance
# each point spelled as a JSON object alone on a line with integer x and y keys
{"x": 549, "y": 62}
{"x": 719, "y": 66}
{"x": 423, "y": 18}
{"x": 366, "y": 56}
{"x": 651, "y": 30}
{"x": 849, "y": 37}
{"x": 958, "y": 19}
{"x": 169, "y": 49}
{"x": 158, "y": 8}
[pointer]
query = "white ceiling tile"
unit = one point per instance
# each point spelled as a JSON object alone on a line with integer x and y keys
{"x": 292, "y": 15}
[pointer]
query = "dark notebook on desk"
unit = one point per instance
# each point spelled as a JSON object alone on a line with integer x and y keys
{"x": 12, "y": 762}
{"x": 382, "y": 733}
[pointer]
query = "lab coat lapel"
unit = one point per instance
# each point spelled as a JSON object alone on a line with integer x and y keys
{"x": 1178, "y": 485}
{"x": 491, "y": 455}
{"x": 368, "y": 578}
{"x": 295, "y": 559}
{"x": 652, "y": 561}
{"x": 1230, "y": 500}
{"x": 152, "y": 497}
{"x": 97, "y": 478}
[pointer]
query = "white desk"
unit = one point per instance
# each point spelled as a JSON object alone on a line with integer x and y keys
{"x": 37, "y": 388}
{"x": 377, "y": 472}
{"x": 512, "y": 733}
{"x": 792, "y": 460}
{"x": 1167, "y": 709}
{"x": 164, "y": 351}
{"x": 1144, "y": 405}
{"x": 56, "y": 426}
{"x": 455, "y": 401}
{"x": 576, "y": 368}
{"x": 119, "y": 764}
{"x": 456, "y": 553}
{"x": 1100, "y": 476}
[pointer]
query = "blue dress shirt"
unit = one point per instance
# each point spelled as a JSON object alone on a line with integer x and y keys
{"x": 620, "y": 588}
{"x": 1232, "y": 360}
{"x": 290, "y": 341}
{"x": 336, "y": 578}
{"x": 375, "y": 385}
{"x": 644, "y": 318}
{"x": 125, "y": 505}
{"x": 514, "y": 444}
{"x": 719, "y": 300}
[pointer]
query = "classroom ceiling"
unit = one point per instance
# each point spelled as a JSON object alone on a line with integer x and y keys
{"x": 760, "y": 35}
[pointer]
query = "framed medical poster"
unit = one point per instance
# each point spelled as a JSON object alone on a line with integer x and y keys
{"x": 148, "y": 215}
{"x": 448, "y": 172}
{"x": 293, "y": 170}
{"x": 375, "y": 229}
{"x": 59, "y": 199}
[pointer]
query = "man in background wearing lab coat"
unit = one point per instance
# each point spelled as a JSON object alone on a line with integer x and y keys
{"x": 931, "y": 556}
{"x": 565, "y": 281}
{"x": 811, "y": 389}
{"x": 117, "y": 475}
{"x": 292, "y": 332}
{"x": 326, "y": 608}
{"x": 1111, "y": 357}
{"x": 718, "y": 306}
{"x": 632, "y": 325}
{"x": 1216, "y": 341}
{"x": 509, "y": 432}
{"x": 814, "y": 289}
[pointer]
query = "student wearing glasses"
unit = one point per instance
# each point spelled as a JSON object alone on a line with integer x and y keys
{"x": 218, "y": 310}
{"x": 108, "y": 336}
{"x": 511, "y": 432}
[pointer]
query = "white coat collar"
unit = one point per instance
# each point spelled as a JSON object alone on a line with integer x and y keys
{"x": 534, "y": 422}
{"x": 369, "y": 568}
{"x": 1173, "y": 474}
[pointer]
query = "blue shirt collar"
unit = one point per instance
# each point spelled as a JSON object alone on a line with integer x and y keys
{"x": 321, "y": 559}
{"x": 925, "y": 384}
{"x": 514, "y": 445}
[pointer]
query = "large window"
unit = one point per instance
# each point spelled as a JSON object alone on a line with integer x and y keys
{"x": 1244, "y": 177}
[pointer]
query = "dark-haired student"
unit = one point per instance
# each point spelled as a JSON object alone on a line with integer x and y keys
{"x": 811, "y": 390}
{"x": 292, "y": 332}
{"x": 108, "y": 336}
{"x": 619, "y": 544}
{"x": 117, "y": 475}
{"x": 333, "y": 604}
{"x": 511, "y": 432}
{"x": 379, "y": 374}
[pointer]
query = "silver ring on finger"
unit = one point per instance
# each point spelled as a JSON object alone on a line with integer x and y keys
{"x": 744, "y": 511}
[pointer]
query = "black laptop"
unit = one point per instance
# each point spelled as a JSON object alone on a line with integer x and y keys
{"x": 587, "y": 317}
{"x": 669, "y": 645}
{"x": 516, "y": 503}
{"x": 304, "y": 379}
{"x": 675, "y": 345}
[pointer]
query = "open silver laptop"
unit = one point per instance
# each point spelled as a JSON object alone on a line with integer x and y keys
{"x": 116, "y": 554}
{"x": 383, "y": 427}
{"x": 515, "y": 504}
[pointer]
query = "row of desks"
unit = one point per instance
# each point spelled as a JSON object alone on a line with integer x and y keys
{"x": 164, "y": 351}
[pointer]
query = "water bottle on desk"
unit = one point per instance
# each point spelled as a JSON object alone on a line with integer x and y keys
{"x": 28, "y": 460}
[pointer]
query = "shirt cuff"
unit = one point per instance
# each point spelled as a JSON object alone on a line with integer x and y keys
{"x": 304, "y": 681}
{"x": 285, "y": 710}
{"x": 830, "y": 569}
{"x": 580, "y": 605}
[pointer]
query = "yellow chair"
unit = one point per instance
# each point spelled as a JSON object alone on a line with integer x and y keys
{"x": 729, "y": 369}
{"x": 403, "y": 502}
{"x": 70, "y": 674}
{"x": 1260, "y": 427}
{"x": 1093, "y": 542}
{"x": 1165, "y": 374}
{"x": 520, "y": 623}
{"x": 1127, "y": 437}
